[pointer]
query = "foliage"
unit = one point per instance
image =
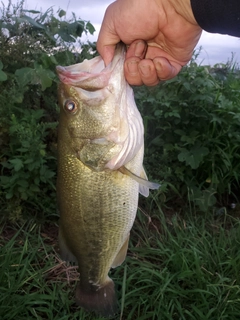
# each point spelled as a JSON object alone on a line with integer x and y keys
{"x": 192, "y": 132}
{"x": 191, "y": 122}
{"x": 31, "y": 45}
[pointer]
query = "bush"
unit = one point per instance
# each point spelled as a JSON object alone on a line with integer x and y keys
{"x": 31, "y": 45}
{"x": 192, "y": 126}
{"x": 191, "y": 122}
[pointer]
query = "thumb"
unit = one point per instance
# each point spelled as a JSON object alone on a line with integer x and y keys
{"x": 108, "y": 37}
{"x": 106, "y": 52}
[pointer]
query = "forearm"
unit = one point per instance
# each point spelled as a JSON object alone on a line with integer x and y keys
{"x": 218, "y": 16}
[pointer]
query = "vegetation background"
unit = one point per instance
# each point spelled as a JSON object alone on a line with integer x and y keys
{"x": 184, "y": 257}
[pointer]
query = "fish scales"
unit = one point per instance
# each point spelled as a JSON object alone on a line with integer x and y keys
{"x": 100, "y": 173}
{"x": 99, "y": 215}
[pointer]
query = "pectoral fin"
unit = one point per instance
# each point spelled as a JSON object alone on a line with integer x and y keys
{"x": 144, "y": 184}
{"x": 143, "y": 189}
{"x": 121, "y": 254}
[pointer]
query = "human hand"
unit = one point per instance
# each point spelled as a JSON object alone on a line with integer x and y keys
{"x": 161, "y": 35}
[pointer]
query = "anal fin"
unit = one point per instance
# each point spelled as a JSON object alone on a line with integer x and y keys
{"x": 121, "y": 254}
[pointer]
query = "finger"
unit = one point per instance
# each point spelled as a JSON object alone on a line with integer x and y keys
{"x": 108, "y": 37}
{"x": 131, "y": 71}
{"x": 106, "y": 52}
{"x": 138, "y": 72}
{"x": 148, "y": 72}
{"x": 165, "y": 69}
{"x": 137, "y": 49}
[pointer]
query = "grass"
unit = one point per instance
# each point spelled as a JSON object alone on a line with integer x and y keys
{"x": 177, "y": 268}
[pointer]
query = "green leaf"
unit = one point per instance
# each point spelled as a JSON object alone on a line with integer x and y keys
{"x": 18, "y": 98}
{"x": 187, "y": 85}
{"x": 25, "y": 76}
{"x": 48, "y": 61}
{"x": 61, "y": 13}
{"x": 44, "y": 78}
{"x": 26, "y": 144}
{"x": 31, "y": 11}
{"x": 4, "y": 180}
{"x": 180, "y": 132}
{"x": 193, "y": 157}
{"x": 158, "y": 113}
{"x": 28, "y": 160}
{"x": 90, "y": 28}
{"x": 79, "y": 28}
{"x": 24, "y": 196}
{"x": 32, "y": 166}
{"x": 22, "y": 183}
{"x": 3, "y": 76}
{"x": 17, "y": 164}
{"x": 9, "y": 195}
{"x": 203, "y": 199}
{"x": 30, "y": 21}
{"x": 42, "y": 152}
{"x": 34, "y": 188}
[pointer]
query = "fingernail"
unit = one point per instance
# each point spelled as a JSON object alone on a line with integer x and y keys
{"x": 158, "y": 66}
{"x": 139, "y": 49}
{"x": 132, "y": 67}
{"x": 145, "y": 70}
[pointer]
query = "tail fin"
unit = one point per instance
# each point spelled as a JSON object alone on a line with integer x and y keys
{"x": 101, "y": 300}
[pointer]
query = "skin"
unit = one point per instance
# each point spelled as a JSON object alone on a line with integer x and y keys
{"x": 160, "y": 34}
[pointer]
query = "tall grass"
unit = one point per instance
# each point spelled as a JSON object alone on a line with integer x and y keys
{"x": 177, "y": 268}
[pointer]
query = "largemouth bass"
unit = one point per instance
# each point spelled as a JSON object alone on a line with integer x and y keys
{"x": 100, "y": 174}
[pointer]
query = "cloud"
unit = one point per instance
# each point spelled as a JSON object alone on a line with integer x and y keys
{"x": 218, "y": 48}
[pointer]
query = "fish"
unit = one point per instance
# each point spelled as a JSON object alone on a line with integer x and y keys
{"x": 100, "y": 174}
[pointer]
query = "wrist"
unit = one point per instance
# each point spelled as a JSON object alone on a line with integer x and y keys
{"x": 183, "y": 8}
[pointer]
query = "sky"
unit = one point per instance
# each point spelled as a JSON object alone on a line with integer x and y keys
{"x": 215, "y": 48}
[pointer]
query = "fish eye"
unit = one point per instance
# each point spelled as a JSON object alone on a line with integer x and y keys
{"x": 70, "y": 106}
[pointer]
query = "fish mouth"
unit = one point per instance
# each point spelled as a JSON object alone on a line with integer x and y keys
{"x": 91, "y": 74}
{"x": 95, "y": 66}
{"x": 81, "y": 75}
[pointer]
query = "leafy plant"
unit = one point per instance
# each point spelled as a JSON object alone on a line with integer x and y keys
{"x": 31, "y": 45}
{"x": 192, "y": 126}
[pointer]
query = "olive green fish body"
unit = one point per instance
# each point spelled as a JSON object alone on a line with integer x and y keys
{"x": 97, "y": 213}
{"x": 100, "y": 174}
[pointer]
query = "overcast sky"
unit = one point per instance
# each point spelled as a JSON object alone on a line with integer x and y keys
{"x": 216, "y": 48}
